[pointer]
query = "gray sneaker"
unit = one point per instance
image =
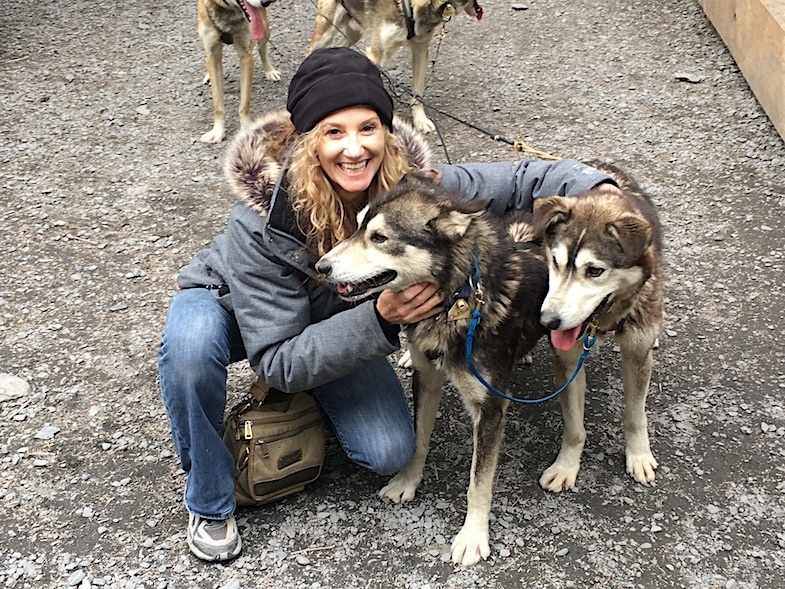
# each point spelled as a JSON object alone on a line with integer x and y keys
{"x": 211, "y": 539}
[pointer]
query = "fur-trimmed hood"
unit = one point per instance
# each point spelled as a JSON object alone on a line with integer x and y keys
{"x": 254, "y": 159}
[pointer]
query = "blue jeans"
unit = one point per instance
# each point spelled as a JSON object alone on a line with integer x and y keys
{"x": 366, "y": 409}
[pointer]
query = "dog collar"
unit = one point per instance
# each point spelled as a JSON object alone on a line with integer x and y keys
{"x": 470, "y": 296}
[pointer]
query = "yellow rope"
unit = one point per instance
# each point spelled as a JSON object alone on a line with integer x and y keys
{"x": 522, "y": 147}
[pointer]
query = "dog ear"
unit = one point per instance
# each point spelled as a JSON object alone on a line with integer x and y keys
{"x": 453, "y": 223}
{"x": 548, "y": 212}
{"x": 457, "y": 220}
{"x": 361, "y": 215}
{"x": 633, "y": 233}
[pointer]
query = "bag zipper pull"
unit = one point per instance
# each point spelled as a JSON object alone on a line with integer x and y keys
{"x": 248, "y": 430}
{"x": 261, "y": 444}
{"x": 243, "y": 462}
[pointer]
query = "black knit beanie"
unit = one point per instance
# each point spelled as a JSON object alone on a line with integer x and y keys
{"x": 333, "y": 79}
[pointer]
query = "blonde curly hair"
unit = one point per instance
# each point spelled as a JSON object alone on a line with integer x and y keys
{"x": 320, "y": 213}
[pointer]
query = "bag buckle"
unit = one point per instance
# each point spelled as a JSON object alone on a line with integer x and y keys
{"x": 248, "y": 430}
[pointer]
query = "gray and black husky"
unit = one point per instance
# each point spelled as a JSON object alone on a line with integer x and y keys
{"x": 419, "y": 232}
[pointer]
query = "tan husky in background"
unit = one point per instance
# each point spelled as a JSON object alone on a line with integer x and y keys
{"x": 388, "y": 24}
{"x": 603, "y": 253}
{"x": 242, "y": 23}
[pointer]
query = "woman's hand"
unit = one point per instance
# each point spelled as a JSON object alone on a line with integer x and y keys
{"x": 411, "y": 305}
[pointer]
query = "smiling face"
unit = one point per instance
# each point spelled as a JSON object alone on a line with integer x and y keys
{"x": 350, "y": 150}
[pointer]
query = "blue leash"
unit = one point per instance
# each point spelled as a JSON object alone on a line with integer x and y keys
{"x": 588, "y": 341}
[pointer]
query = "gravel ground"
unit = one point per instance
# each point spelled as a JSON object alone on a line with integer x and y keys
{"x": 106, "y": 192}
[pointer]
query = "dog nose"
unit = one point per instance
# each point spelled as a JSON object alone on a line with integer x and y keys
{"x": 550, "y": 320}
{"x": 323, "y": 266}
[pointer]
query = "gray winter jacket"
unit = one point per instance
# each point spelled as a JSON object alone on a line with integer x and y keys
{"x": 297, "y": 333}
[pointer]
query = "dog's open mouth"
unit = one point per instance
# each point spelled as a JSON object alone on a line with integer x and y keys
{"x": 565, "y": 339}
{"x": 358, "y": 290}
{"x": 254, "y": 18}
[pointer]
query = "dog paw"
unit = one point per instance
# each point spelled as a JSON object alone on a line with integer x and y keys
{"x": 423, "y": 124}
{"x": 525, "y": 360}
{"x": 400, "y": 489}
{"x": 213, "y": 136}
{"x": 641, "y": 467}
{"x": 272, "y": 74}
{"x": 470, "y": 546}
{"x": 420, "y": 120}
{"x": 405, "y": 361}
{"x": 558, "y": 478}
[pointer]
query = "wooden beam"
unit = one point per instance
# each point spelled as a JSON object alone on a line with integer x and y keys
{"x": 754, "y": 31}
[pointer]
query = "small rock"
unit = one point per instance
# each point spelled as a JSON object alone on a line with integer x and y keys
{"x": 47, "y": 433}
{"x": 13, "y": 387}
{"x": 562, "y": 552}
{"x": 519, "y": 7}
{"x": 76, "y": 577}
{"x": 687, "y": 77}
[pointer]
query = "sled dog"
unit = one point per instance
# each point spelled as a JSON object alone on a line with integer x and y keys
{"x": 388, "y": 24}
{"x": 420, "y": 232}
{"x": 244, "y": 24}
{"x": 602, "y": 252}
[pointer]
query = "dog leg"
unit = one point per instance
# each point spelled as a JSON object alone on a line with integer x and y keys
{"x": 214, "y": 51}
{"x": 405, "y": 361}
{"x": 332, "y": 27}
{"x": 419, "y": 47}
{"x": 636, "y": 375}
{"x": 563, "y": 473}
{"x": 244, "y": 45}
{"x": 270, "y": 71}
{"x": 473, "y": 541}
{"x": 427, "y": 385}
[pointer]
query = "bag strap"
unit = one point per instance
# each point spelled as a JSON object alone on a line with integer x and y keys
{"x": 259, "y": 390}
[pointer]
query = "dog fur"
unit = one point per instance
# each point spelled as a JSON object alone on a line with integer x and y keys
{"x": 244, "y": 24}
{"x": 345, "y": 22}
{"x": 603, "y": 253}
{"x": 419, "y": 232}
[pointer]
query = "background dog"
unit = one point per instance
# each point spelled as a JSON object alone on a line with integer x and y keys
{"x": 388, "y": 24}
{"x": 419, "y": 232}
{"x": 244, "y": 24}
{"x": 603, "y": 255}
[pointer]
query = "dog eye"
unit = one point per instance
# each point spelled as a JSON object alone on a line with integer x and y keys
{"x": 554, "y": 262}
{"x": 377, "y": 237}
{"x": 594, "y": 271}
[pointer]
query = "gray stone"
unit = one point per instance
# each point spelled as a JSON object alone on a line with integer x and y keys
{"x": 13, "y": 387}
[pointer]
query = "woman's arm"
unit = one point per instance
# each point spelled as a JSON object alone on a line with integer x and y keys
{"x": 516, "y": 185}
{"x": 297, "y": 335}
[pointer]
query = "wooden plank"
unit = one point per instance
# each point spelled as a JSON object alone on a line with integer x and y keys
{"x": 754, "y": 31}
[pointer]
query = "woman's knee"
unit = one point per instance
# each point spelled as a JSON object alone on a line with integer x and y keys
{"x": 389, "y": 453}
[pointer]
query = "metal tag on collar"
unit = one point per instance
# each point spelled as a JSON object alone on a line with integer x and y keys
{"x": 460, "y": 310}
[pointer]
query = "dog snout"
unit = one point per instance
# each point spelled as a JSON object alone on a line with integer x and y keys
{"x": 550, "y": 320}
{"x": 324, "y": 266}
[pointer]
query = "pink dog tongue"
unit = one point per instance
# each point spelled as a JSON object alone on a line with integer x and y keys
{"x": 564, "y": 340}
{"x": 256, "y": 25}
